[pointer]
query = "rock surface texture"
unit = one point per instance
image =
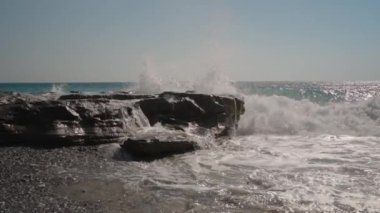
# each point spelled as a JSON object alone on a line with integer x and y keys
{"x": 77, "y": 118}
{"x": 156, "y": 148}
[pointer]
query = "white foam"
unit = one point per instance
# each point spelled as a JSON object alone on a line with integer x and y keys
{"x": 281, "y": 115}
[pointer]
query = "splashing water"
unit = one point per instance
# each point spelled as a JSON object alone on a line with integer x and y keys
{"x": 305, "y": 147}
{"x": 58, "y": 88}
{"x": 215, "y": 83}
{"x": 149, "y": 82}
{"x": 284, "y": 116}
{"x": 212, "y": 83}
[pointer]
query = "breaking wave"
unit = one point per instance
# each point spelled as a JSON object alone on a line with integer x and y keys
{"x": 285, "y": 116}
{"x": 289, "y": 108}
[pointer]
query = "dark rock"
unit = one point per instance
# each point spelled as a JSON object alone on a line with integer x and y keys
{"x": 71, "y": 121}
{"x": 116, "y": 96}
{"x": 155, "y": 148}
{"x": 182, "y": 108}
{"x": 103, "y": 118}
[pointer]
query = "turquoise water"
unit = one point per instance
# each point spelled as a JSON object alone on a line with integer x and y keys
{"x": 64, "y": 87}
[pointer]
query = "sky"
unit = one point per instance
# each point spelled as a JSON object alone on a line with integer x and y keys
{"x": 247, "y": 40}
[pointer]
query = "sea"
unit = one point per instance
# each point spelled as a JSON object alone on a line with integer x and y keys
{"x": 299, "y": 147}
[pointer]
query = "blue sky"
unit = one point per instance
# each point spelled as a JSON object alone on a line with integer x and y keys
{"x": 93, "y": 40}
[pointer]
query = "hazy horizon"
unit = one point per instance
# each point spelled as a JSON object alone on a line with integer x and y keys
{"x": 115, "y": 41}
{"x": 233, "y": 81}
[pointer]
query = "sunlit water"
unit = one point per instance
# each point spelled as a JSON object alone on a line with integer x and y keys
{"x": 300, "y": 147}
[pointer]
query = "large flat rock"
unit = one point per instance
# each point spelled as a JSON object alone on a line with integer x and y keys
{"x": 109, "y": 117}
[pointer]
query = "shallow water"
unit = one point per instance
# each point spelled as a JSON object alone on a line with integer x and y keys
{"x": 265, "y": 173}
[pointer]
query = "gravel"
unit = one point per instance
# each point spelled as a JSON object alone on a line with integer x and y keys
{"x": 61, "y": 179}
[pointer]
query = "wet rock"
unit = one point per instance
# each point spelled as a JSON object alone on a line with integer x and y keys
{"x": 155, "y": 148}
{"x": 116, "y": 96}
{"x": 52, "y": 121}
{"x": 154, "y": 143}
{"x": 182, "y": 108}
{"x": 77, "y": 118}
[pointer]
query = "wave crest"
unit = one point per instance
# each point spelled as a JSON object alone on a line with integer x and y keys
{"x": 285, "y": 116}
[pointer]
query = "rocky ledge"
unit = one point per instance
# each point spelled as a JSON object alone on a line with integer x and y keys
{"x": 76, "y": 118}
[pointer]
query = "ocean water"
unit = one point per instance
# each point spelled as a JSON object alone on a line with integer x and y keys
{"x": 299, "y": 147}
{"x": 38, "y": 88}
